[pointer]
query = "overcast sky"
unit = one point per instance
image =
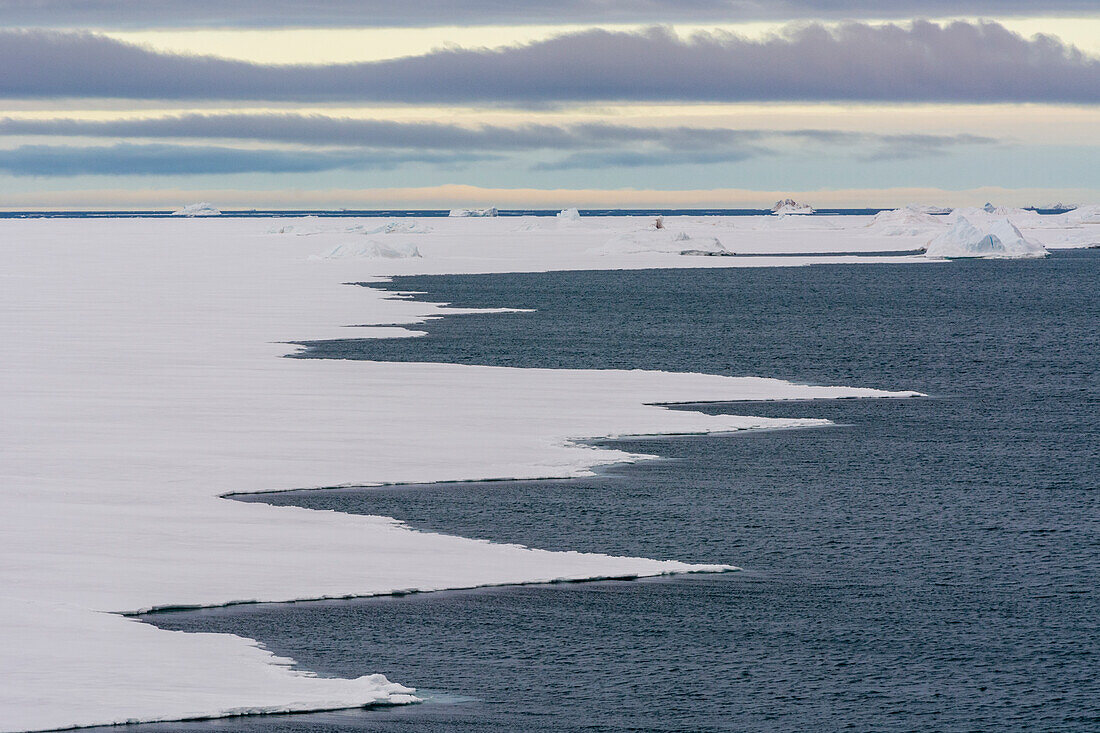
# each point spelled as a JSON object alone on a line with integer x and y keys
{"x": 583, "y": 100}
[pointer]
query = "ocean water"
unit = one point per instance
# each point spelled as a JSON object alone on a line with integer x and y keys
{"x": 926, "y": 564}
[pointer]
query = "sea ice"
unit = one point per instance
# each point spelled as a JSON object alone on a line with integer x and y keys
{"x": 148, "y": 382}
{"x": 1083, "y": 215}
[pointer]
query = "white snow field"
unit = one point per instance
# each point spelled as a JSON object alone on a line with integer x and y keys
{"x": 142, "y": 379}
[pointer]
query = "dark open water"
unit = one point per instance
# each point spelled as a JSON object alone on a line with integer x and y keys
{"x": 929, "y": 564}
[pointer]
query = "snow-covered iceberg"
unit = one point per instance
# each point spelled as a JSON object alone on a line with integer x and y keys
{"x": 569, "y": 215}
{"x": 787, "y": 207}
{"x": 491, "y": 211}
{"x": 203, "y": 208}
{"x": 995, "y": 238}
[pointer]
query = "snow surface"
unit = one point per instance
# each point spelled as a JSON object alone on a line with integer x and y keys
{"x": 144, "y": 382}
{"x": 992, "y": 238}
{"x": 200, "y": 209}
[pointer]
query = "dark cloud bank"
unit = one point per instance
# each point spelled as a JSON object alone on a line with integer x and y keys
{"x": 593, "y": 147}
{"x": 325, "y": 130}
{"x": 149, "y": 160}
{"x": 387, "y": 144}
{"x": 382, "y": 13}
{"x": 925, "y": 62}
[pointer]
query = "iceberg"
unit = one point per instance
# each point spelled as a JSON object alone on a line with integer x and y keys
{"x": 997, "y": 238}
{"x": 787, "y": 207}
{"x": 491, "y": 211}
{"x": 569, "y": 215}
{"x": 202, "y": 208}
{"x": 1057, "y": 208}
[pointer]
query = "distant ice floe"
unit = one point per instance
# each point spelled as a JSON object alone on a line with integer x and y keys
{"x": 662, "y": 241}
{"x": 569, "y": 215}
{"x": 992, "y": 238}
{"x": 905, "y": 222}
{"x": 203, "y": 208}
{"x": 788, "y": 207}
{"x": 370, "y": 249}
{"x": 491, "y": 211}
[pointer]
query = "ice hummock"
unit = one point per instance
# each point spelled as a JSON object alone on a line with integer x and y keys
{"x": 787, "y": 207}
{"x": 203, "y": 208}
{"x": 491, "y": 211}
{"x": 569, "y": 215}
{"x": 370, "y": 249}
{"x": 994, "y": 238}
{"x": 905, "y": 222}
{"x": 662, "y": 241}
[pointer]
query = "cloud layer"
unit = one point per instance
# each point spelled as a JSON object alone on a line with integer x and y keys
{"x": 385, "y": 13}
{"x": 313, "y": 129}
{"x": 150, "y": 160}
{"x": 924, "y": 62}
{"x": 332, "y": 143}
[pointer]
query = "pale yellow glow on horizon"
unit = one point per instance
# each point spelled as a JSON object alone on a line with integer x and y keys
{"x": 448, "y": 196}
{"x": 348, "y": 45}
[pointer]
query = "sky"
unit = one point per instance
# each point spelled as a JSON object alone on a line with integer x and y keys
{"x": 153, "y": 104}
